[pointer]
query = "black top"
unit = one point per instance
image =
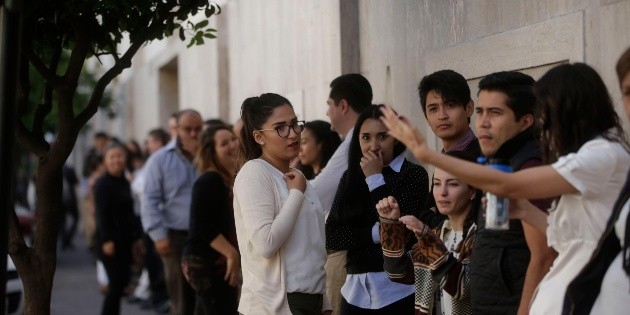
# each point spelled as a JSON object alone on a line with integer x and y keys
{"x": 409, "y": 187}
{"x": 115, "y": 219}
{"x": 211, "y": 214}
{"x": 500, "y": 258}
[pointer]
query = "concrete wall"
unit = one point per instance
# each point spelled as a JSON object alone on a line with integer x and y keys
{"x": 287, "y": 47}
{"x": 296, "y": 48}
{"x": 402, "y": 41}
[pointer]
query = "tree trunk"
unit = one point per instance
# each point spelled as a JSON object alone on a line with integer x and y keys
{"x": 38, "y": 271}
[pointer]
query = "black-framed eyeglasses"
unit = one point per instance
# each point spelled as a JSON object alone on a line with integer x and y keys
{"x": 284, "y": 130}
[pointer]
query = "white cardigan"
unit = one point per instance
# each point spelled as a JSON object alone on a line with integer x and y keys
{"x": 281, "y": 239}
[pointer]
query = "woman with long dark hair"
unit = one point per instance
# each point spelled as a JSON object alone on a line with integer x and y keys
{"x": 377, "y": 169}
{"x": 279, "y": 219}
{"x": 587, "y": 146}
{"x": 317, "y": 145}
{"x": 439, "y": 261}
{"x": 117, "y": 228}
{"x": 603, "y": 286}
{"x": 211, "y": 261}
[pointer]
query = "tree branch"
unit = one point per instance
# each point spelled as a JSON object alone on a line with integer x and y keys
{"x": 16, "y": 240}
{"x": 121, "y": 64}
{"x": 36, "y": 145}
{"x": 80, "y": 51}
{"x": 45, "y": 107}
{"x": 46, "y": 73}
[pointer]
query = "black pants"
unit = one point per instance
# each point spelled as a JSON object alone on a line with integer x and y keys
{"x": 214, "y": 295}
{"x": 67, "y": 233}
{"x": 219, "y": 299}
{"x": 180, "y": 293}
{"x": 403, "y": 306}
{"x": 155, "y": 269}
{"x": 117, "y": 267}
{"x": 305, "y": 304}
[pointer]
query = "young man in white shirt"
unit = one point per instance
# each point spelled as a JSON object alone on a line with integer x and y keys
{"x": 349, "y": 95}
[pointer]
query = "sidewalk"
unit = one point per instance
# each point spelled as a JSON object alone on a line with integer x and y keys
{"x": 75, "y": 289}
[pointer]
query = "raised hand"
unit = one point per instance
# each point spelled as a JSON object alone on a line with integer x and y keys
{"x": 388, "y": 208}
{"x": 371, "y": 163}
{"x": 295, "y": 180}
{"x": 400, "y": 128}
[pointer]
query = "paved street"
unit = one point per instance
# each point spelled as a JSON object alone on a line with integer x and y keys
{"x": 75, "y": 290}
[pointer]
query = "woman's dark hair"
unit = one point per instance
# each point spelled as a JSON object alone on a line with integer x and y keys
{"x": 355, "y": 195}
{"x": 206, "y": 158}
{"x": 329, "y": 139}
{"x": 476, "y": 202}
{"x": 574, "y": 107}
{"x": 254, "y": 113}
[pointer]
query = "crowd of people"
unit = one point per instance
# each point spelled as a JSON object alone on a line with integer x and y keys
{"x": 275, "y": 215}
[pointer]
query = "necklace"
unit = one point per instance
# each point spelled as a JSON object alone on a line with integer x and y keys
{"x": 454, "y": 243}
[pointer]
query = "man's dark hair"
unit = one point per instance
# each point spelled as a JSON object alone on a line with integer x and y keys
{"x": 160, "y": 134}
{"x": 451, "y": 85}
{"x": 354, "y": 88}
{"x": 215, "y": 122}
{"x": 518, "y": 88}
{"x": 101, "y": 134}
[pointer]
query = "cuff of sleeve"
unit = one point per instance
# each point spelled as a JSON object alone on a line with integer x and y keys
{"x": 376, "y": 233}
{"x": 392, "y": 238}
{"x": 157, "y": 234}
{"x": 294, "y": 201}
{"x": 375, "y": 181}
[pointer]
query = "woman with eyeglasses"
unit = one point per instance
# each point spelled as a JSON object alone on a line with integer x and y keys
{"x": 279, "y": 220}
{"x": 377, "y": 168}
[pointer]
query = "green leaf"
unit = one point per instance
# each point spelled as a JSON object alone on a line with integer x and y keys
{"x": 209, "y": 35}
{"x": 209, "y": 12}
{"x": 201, "y": 24}
{"x": 182, "y": 36}
{"x": 212, "y": 10}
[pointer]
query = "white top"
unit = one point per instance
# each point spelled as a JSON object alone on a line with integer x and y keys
{"x": 327, "y": 181}
{"x": 374, "y": 290}
{"x": 614, "y": 297}
{"x": 280, "y": 237}
{"x": 598, "y": 171}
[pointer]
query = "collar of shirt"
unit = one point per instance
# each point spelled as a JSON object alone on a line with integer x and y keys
{"x": 396, "y": 164}
{"x": 377, "y": 180}
{"x": 464, "y": 141}
{"x": 344, "y": 137}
